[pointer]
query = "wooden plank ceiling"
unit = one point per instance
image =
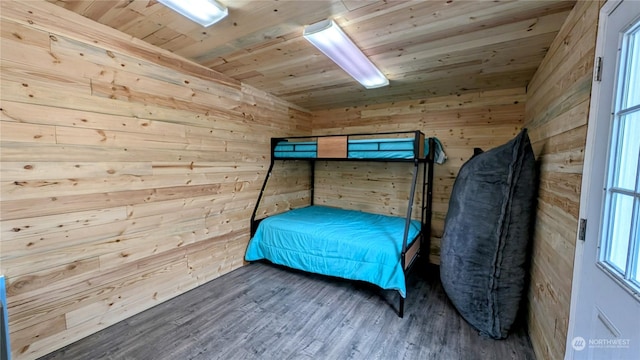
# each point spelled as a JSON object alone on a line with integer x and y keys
{"x": 426, "y": 48}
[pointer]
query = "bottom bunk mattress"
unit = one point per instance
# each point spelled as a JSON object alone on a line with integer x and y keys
{"x": 345, "y": 243}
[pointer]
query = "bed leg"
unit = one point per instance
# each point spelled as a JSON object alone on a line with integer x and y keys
{"x": 401, "y": 309}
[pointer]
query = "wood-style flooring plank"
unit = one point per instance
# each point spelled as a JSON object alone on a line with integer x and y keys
{"x": 263, "y": 311}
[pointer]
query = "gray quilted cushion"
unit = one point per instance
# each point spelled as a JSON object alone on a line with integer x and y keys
{"x": 487, "y": 232}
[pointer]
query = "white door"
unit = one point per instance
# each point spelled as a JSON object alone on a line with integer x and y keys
{"x": 605, "y": 305}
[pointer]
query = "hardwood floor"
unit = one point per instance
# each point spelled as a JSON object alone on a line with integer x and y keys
{"x": 263, "y": 311}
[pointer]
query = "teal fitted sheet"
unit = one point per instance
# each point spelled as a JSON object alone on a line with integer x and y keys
{"x": 344, "y": 243}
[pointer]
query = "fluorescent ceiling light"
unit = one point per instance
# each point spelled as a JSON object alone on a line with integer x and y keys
{"x": 329, "y": 38}
{"x": 204, "y": 12}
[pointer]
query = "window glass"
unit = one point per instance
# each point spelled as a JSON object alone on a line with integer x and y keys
{"x": 620, "y": 230}
{"x": 629, "y": 148}
{"x": 631, "y": 97}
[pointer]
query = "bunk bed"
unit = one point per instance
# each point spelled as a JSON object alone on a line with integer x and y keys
{"x": 350, "y": 244}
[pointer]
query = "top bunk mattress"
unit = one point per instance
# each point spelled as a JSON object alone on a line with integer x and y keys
{"x": 345, "y": 243}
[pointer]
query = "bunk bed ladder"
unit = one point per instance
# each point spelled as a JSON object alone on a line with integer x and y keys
{"x": 423, "y": 204}
{"x": 427, "y": 207}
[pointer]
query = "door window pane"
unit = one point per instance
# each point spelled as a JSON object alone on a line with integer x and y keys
{"x": 620, "y": 230}
{"x": 631, "y": 44}
{"x": 629, "y": 148}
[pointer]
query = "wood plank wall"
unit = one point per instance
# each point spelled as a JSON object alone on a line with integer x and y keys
{"x": 483, "y": 119}
{"x": 556, "y": 114}
{"x": 128, "y": 174}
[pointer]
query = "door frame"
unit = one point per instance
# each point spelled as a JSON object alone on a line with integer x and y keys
{"x": 593, "y": 154}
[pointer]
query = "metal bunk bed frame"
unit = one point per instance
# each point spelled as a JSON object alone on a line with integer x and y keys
{"x": 426, "y": 202}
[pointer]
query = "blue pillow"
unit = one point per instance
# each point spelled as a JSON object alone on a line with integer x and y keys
{"x": 484, "y": 254}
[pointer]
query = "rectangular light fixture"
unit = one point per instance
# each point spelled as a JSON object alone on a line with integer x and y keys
{"x": 204, "y": 12}
{"x": 327, "y": 36}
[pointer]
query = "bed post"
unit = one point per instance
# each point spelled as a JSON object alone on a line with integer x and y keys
{"x": 410, "y": 208}
{"x": 254, "y": 223}
{"x": 313, "y": 179}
